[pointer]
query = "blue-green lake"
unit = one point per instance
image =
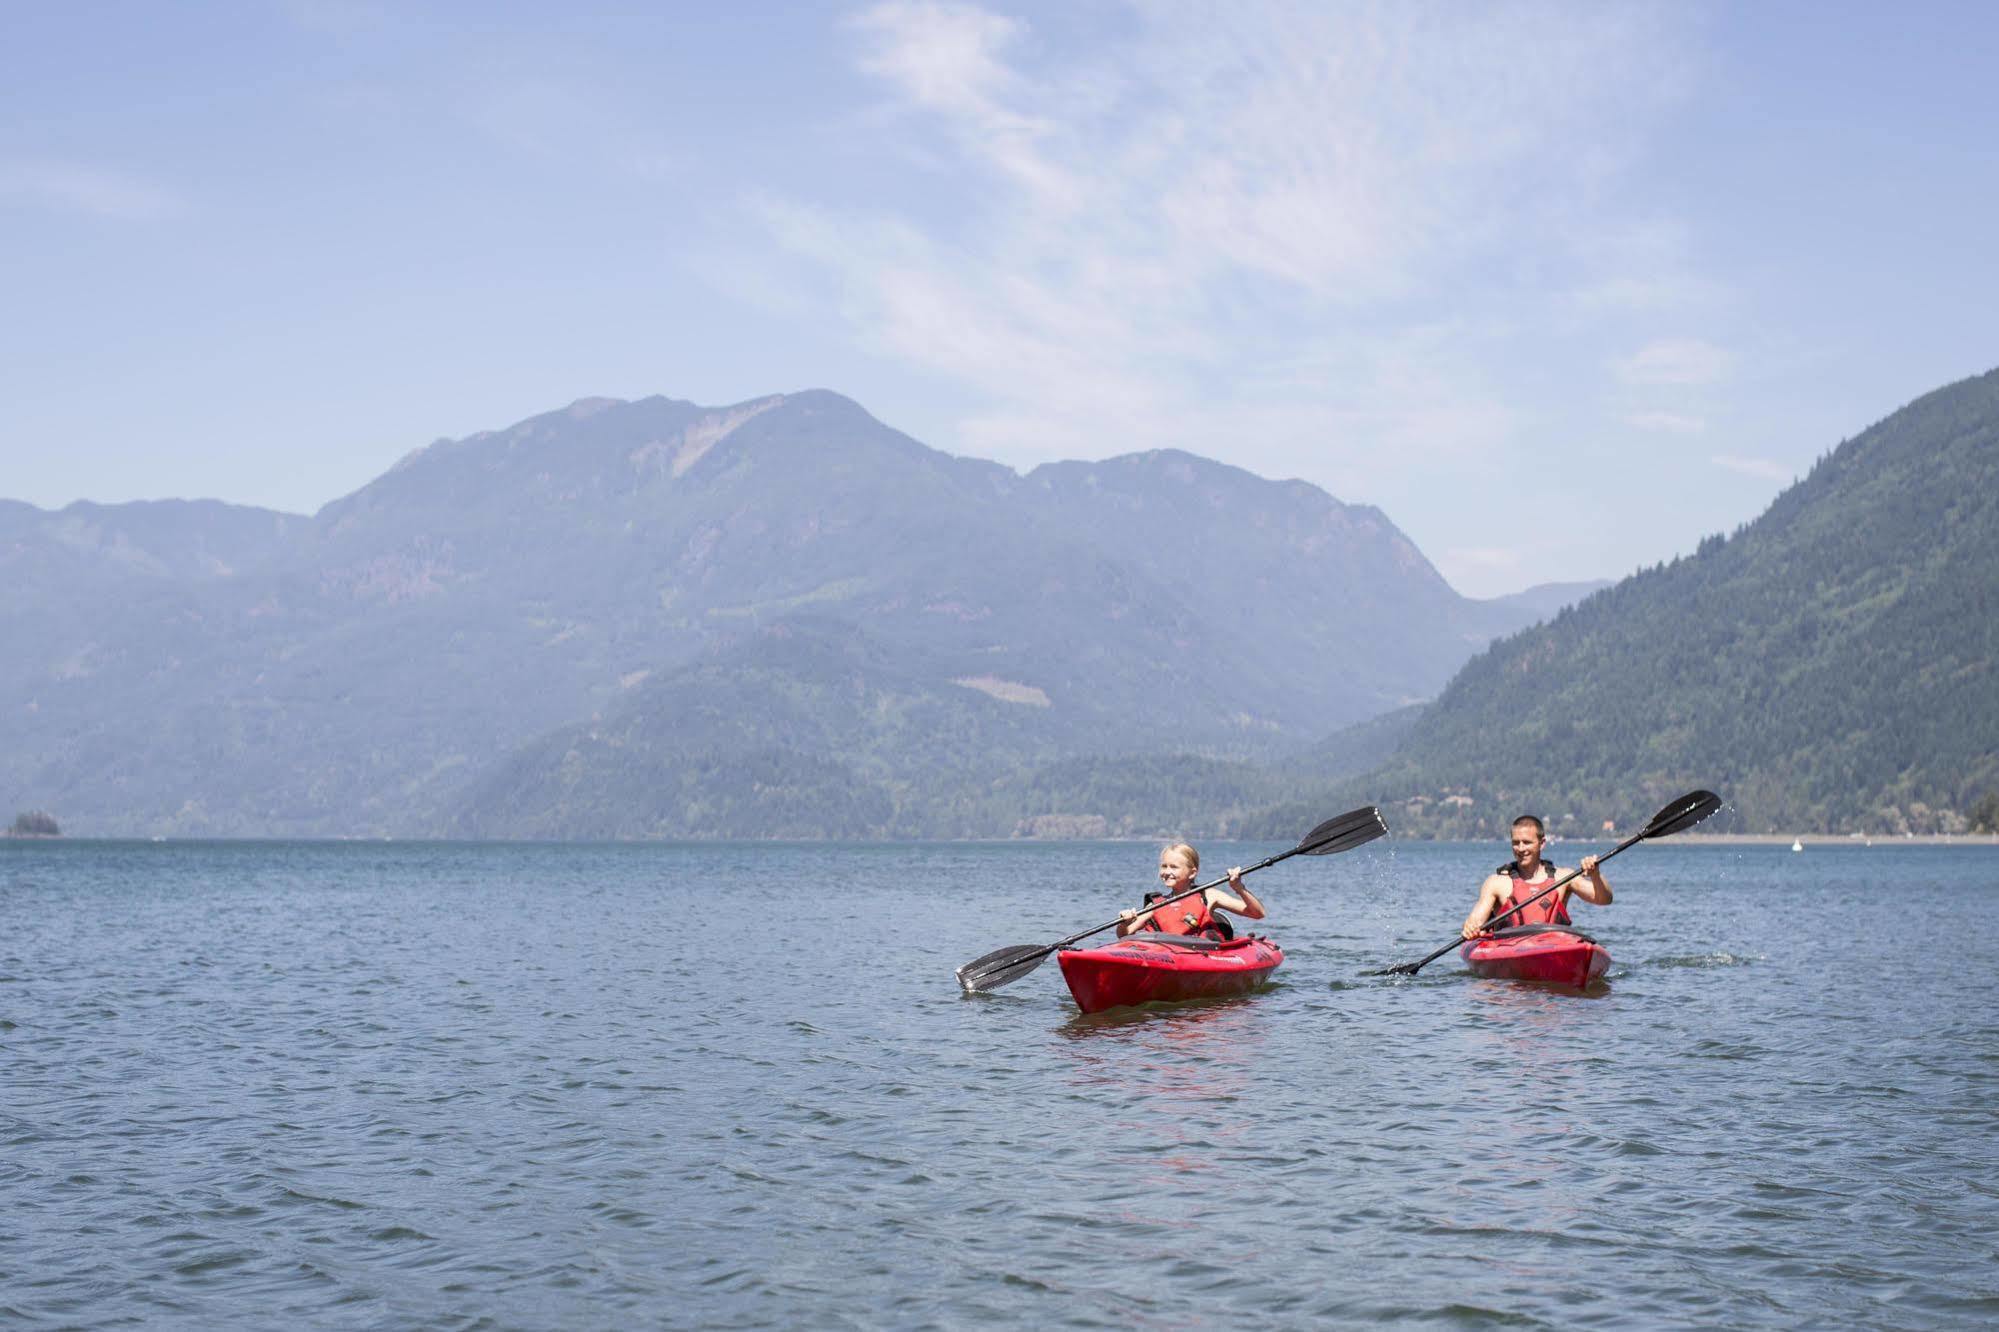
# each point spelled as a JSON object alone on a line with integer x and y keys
{"x": 438, "y": 1085}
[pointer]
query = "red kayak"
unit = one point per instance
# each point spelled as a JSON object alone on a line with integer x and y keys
{"x": 1148, "y": 968}
{"x": 1537, "y": 953}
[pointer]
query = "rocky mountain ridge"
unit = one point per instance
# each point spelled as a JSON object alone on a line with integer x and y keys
{"x": 199, "y": 668}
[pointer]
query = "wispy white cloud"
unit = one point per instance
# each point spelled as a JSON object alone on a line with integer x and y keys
{"x": 944, "y": 56}
{"x": 1486, "y": 559}
{"x": 1670, "y": 423}
{"x": 1676, "y": 361}
{"x": 948, "y": 60}
{"x": 76, "y": 188}
{"x": 1637, "y": 267}
{"x": 1262, "y": 224}
{"x": 1764, "y": 469}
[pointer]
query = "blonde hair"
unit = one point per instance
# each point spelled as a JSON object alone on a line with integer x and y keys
{"x": 1192, "y": 857}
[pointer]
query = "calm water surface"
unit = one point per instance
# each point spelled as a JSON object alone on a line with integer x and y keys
{"x": 736, "y": 1086}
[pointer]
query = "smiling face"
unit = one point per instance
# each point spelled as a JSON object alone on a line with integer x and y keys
{"x": 1176, "y": 870}
{"x": 1527, "y": 841}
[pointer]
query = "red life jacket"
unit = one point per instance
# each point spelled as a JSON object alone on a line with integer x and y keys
{"x": 1189, "y": 915}
{"x": 1550, "y": 910}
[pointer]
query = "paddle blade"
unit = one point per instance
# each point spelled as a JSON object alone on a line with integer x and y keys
{"x": 1682, "y": 814}
{"x": 1003, "y": 966}
{"x": 1343, "y": 832}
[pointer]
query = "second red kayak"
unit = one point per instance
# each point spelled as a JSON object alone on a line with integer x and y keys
{"x": 1537, "y": 953}
{"x": 1150, "y": 968}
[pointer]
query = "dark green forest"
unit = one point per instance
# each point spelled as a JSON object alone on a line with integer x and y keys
{"x": 1828, "y": 667}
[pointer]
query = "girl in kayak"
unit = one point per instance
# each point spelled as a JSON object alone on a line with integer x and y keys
{"x": 1194, "y": 913}
{"x": 1527, "y": 874}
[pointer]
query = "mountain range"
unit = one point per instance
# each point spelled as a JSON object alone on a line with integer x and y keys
{"x": 784, "y": 619}
{"x": 652, "y": 618}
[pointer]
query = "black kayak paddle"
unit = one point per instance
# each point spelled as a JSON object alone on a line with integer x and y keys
{"x": 1679, "y": 816}
{"x": 1004, "y": 966}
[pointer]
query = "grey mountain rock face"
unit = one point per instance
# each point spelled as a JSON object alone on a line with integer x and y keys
{"x": 653, "y": 593}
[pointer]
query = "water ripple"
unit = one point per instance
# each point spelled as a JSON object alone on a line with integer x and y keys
{"x": 505, "y": 1087}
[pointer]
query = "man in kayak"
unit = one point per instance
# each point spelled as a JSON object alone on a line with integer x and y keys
{"x": 1195, "y": 913}
{"x": 1526, "y": 875}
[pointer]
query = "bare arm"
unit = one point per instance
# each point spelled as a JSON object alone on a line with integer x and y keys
{"x": 1489, "y": 894}
{"x": 1591, "y": 887}
{"x": 1241, "y": 901}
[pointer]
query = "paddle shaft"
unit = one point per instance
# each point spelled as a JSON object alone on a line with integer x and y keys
{"x": 1343, "y": 832}
{"x": 1168, "y": 901}
{"x": 1412, "y": 968}
{"x": 1678, "y": 816}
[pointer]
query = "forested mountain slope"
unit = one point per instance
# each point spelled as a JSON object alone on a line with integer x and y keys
{"x": 1829, "y": 666}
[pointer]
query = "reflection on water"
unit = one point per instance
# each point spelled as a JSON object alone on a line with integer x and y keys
{"x": 1512, "y": 998}
{"x": 1233, "y": 1013}
{"x": 1175, "y": 1063}
{"x": 1172, "y": 1078}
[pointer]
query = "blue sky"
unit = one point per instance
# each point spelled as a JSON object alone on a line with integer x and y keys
{"x": 1561, "y": 287}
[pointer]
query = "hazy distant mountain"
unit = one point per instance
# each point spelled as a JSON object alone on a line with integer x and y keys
{"x": 653, "y": 571}
{"x": 1544, "y": 599}
{"x": 1832, "y": 665}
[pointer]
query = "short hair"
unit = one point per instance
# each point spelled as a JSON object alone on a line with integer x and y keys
{"x": 1192, "y": 856}
{"x": 1540, "y": 828}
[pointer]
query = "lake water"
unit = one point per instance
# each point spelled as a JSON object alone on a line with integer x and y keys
{"x": 736, "y": 1086}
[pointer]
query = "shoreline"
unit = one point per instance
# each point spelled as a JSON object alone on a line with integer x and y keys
{"x": 1806, "y": 840}
{"x": 1809, "y": 840}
